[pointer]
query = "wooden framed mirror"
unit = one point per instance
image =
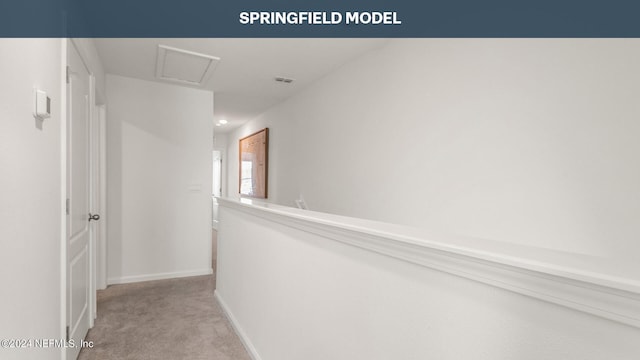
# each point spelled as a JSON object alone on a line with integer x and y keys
{"x": 253, "y": 165}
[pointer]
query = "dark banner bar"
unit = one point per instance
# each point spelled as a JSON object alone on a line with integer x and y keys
{"x": 346, "y": 18}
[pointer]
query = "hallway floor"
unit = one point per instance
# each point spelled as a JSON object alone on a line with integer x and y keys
{"x": 166, "y": 319}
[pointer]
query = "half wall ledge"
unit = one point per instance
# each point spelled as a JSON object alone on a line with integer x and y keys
{"x": 598, "y": 286}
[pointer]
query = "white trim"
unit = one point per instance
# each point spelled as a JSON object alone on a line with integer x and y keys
{"x": 248, "y": 345}
{"x": 63, "y": 193}
{"x": 102, "y": 246}
{"x": 537, "y": 273}
{"x": 223, "y": 170}
{"x": 93, "y": 197}
{"x": 159, "y": 276}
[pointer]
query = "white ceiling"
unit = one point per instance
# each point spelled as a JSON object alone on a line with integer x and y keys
{"x": 243, "y": 82}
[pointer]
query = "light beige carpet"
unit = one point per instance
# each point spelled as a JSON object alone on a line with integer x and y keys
{"x": 166, "y": 319}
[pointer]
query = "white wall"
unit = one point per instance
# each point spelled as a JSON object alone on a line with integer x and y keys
{"x": 293, "y": 294}
{"x": 30, "y": 196}
{"x": 220, "y": 140}
{"x": 159, "y": 151}
{"x": 531, "y": 141}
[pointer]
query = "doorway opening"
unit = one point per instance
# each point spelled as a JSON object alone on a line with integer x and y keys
{"x": 216, "y": 190}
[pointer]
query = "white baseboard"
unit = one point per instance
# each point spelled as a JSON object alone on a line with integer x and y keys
{"x": 236, "y": 326}
{"x": 159, "y": 276}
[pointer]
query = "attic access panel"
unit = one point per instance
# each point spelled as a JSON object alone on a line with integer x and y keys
{"x": 183, "y": 66}
{"x": 254, "y": 156}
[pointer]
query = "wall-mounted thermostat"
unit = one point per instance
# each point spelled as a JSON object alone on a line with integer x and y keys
{"x": 42, "y": 106}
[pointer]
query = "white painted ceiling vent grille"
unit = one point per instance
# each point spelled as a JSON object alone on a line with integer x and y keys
{"x": 183, "y": 66}
{"x": 284, "y": 80}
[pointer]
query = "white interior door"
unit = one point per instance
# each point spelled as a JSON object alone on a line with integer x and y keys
{"x": 78, "y": 202}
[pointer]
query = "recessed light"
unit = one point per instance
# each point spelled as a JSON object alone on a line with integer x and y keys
{"x": 223, "y": 121}
{"x": 218, "y": 124}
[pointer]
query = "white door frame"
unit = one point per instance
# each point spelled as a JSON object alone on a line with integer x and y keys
{"x": 101, "y": 243}
{"x": 223, "y": 174}
{"x": 92, "y": 196}
{"x": 223, "y": 170}
{"x": 63, "y": 194}
{"x": 66, "y": 43}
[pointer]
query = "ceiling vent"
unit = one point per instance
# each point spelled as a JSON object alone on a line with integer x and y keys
{"x": 284, "y": 80}
{"x": 185, "y": 67}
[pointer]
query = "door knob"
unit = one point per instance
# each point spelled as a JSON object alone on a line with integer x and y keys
{"x": 94, "y": 217}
